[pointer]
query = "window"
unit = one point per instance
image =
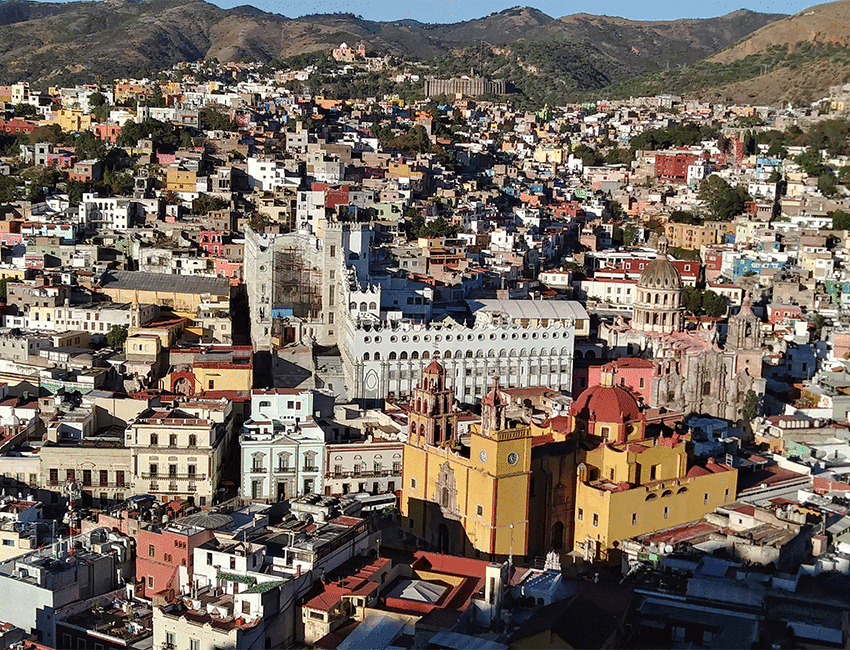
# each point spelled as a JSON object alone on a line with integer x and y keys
{"x": 642, "y": 382}
{"x": 211, "y": 384}
{"x": 54, "y": 475}
{"x": 151, "y": 550}
{"x": 150, "y": 582}
{"x": 119, "y": 479}
{"x": 154, "y": 440}
{"x": 412, "y": 483}
{"x": 209, "y": 558}
{"x": 333, "y": 251}
{"x": 479, "y": 510}
{"x": 8, "y": 542}
{"x": 104, "y": 477}
{"x": 580, "y": 515}
{"x": 246, "y": 607}
{"x": 653, "y": 472}
{"x": 666, "y": 511}
{"x": 172, "y": 440}
{"x": 232, "y": 562}
{"x": 595, "y": 520}
{"x": 194, "y": 644}
{"x": 634, "y": 519}
{"x": 726, "y": 495}
{"x": 193, "y": 440}
{"x": 705, "y": 498}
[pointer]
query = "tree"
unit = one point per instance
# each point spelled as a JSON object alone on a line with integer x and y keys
{"x": 713, "y": 305}
{"x": 215, "y": 118}
{"x": 811, "y": 163}
{"x": 721, "y": 199}
{"x": 828, "y": 184}
{"x": 75, "y": 190}
{"x": 24, "y": 110}
{"x": 89, "y": 146}
{"x": 51, "y": 133}
{"x": 750, "y": 409}
{"x": 819, "y": 321}
{"x": 116, "y": 336}
{"x": 205, "y": 204}
{"x": 3, "y": 283}
{"x": 684, "y": 216}
{"x": 630, "y": 233}
{"x": 840, "y": 220}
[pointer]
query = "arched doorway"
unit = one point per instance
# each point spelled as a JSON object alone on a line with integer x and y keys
{"x": 443, "y": 545}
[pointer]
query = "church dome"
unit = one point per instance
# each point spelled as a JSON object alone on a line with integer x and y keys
{"x": 606, "y": 404}
{"x": 660, "y": 274}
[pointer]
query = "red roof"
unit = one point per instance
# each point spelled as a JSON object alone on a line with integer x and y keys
{"x": 606, "y": 404}
{"x": 434, "y": 367}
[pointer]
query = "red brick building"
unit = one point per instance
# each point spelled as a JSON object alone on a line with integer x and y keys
{"x": 160, "y": 554}
{"x": 673, "y": 165}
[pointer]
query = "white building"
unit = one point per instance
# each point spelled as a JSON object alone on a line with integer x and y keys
{"x": 524, "y": 342}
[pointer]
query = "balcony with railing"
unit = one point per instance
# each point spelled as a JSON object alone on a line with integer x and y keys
{"x": 284, "y": 469}
{"x": 165, "y": 476}
{"x": 364, "y": 474}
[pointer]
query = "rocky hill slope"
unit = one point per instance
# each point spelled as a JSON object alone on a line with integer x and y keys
{"x": 55, "y": 42}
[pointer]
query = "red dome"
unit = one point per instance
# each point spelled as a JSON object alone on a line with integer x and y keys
{"x": 434, "y": 368}
{"x": 606, "y": 404}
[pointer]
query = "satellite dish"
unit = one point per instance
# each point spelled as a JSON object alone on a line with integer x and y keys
{"x": 668, "y": 548}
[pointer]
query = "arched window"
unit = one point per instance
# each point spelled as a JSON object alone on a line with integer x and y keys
{"x": 469, "y": 354}
{"x": 448, "y": 354}
{"x": 706, "y": 389}
{"x": 362, "y": 306}
{"x": 426, "y": 355}
{"x": 365, "y": 356}
{"x": 651, "y": 496}
{"x": 352, "y": 306}
{"x": 667, "y": 493}
{"x": 373, "y": 306}
{"x": 377, "y": 356}
{"x": 558, "y": 536}
{"x": 419, "y": 405}
{"x": 403, "y": 356}
{"x": 414, "y": 355}
{"x": 392, "y": 356}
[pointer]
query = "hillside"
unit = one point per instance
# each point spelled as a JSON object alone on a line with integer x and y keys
{"x": 50, "y": 43}
{"x": 795, "y": 59}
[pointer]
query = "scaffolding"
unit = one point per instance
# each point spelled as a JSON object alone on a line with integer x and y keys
{"x": 297, "y": 284}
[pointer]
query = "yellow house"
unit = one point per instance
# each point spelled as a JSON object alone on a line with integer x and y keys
{"x": 206, "y": 376}
{"x": 464, "y": 499}
{"x": 72, "y": 119}
{"x": 180, "y": 180}
{"x": 628, "y": 484}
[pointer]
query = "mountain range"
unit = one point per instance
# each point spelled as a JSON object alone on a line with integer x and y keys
{"x": 59, "y": 42}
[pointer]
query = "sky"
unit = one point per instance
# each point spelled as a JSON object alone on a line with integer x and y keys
{"x": 450, "y": 11}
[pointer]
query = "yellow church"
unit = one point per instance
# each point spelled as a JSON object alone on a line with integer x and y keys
{"x": 628, "y": 484}
{"x": 467, "y": 497}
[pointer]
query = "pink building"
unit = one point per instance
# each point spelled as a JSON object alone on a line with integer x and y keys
{"x": 633, "y": 374}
